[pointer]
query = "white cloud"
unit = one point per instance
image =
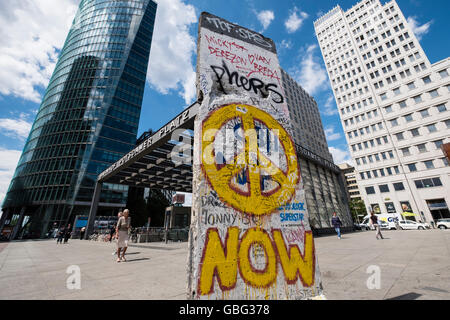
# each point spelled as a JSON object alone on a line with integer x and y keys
{"x": 7, "y": 167}
{"x": 340, "y": 155}
{"x": 265, "y": 17}
{"x": 173, "y": 48}
{"x": 329, "y": 108}
{"x": 295, "y": 20}
{"x": 285, "y": 44}
{"x": 310, "y": 74}
{"x": 32, "y": 32}
{"x": 418, "y": 30}
{"x": 15, "y": 128}
{"x": 331, "y": 135}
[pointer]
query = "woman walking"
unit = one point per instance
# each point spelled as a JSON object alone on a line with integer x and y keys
{"x": 374, "y": 220}
{"x": 113, "y": 232}
{"x": 122, "y": 229}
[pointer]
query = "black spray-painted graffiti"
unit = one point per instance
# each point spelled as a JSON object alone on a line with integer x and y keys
{"x": 234, "y": 30}
{"x": 228, "y": 218}
{"x": 252, "y": 84}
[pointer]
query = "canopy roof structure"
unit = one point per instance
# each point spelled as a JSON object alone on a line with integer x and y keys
{"x": 149, "y": 165}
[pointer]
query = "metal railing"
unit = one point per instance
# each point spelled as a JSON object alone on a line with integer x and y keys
{"x": 141, "y": 235}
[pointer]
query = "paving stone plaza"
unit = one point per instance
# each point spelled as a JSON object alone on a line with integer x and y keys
{"x": 412, "y": 264}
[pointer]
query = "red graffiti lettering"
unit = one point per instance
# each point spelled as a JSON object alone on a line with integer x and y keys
{"x": 295, "y": 235}
{"x": 262, "y": 70}
{"x": 233, "y": 58}
{"x": 225, "y": 43}
{"x": 258, "y": 58}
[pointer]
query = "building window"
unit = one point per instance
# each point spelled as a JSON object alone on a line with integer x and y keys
{"x": 397, "y": 91}
{"x": 424, "y": 113}
{"x": 429, "y": 164}
{"x": 393, "y": 122}
{"x": 411, "y": 85}
{"x": 409, "y": 117}
{"x": 405, "y": 152}
{"x": 412, "y": 167}
{"x": 434, "y": 93}
{"x": 383, "y": 96}
{"x": 415, "y": 132}
{"x": 390, "y": 207}
{"x": 443, "y": 73}
{"x": 432, "y": 128}
{"x": 399, "y": 186}
{"x": 399, "y": 136}
{"x": 445, "y": 162}
{"x": 438, "y": 143}
{"x": 388, "y": 109}
{"x": 441, "y": 108}
{"x": 426, "y": 80}
{"x": 417, "y": 99}
{"x": 384, "y": 188}
{"x": 422, "y": 148}
{"x": 428, "y": 183}
{"x": 402, "y": 104}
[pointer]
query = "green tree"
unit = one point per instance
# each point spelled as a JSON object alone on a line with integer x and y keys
{"x": 357, "y": 208}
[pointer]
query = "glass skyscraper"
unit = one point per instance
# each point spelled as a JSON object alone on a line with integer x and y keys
{"x": 88, "y": 117}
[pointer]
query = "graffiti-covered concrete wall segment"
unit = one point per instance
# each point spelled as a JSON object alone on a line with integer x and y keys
{"x": 250, "y": 237}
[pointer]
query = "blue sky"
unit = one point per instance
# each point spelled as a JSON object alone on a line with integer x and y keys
{"x": 34, "y": 32}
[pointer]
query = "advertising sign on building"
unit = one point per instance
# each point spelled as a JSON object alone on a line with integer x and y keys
{"x": 250, "y": 236}
{"x": 178, "y": 198}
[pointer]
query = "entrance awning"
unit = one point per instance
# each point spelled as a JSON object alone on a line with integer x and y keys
{"x": 149, "y": 165}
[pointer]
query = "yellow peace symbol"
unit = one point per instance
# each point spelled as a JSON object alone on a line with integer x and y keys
{"x": 242, "y": 183}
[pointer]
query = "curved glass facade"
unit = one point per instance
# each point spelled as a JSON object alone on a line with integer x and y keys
{"x": 89, "y": 114}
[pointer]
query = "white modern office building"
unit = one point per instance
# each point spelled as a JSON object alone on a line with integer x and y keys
{"x": 394, "y": 108}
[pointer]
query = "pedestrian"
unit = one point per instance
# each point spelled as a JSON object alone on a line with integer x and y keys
{"x": 113, "y": 233}
{"x": 83, "y": 230}
{"x": 67, "y": 234}
{"x": 374, "y": 220}
{"x": 112, "y": 230}
{"x": 61, "y": 233}
{"x": 122, "y": 229}
{"x": 336, "y": 222}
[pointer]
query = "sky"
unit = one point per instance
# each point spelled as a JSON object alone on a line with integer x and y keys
{"x": 33, "y": 33}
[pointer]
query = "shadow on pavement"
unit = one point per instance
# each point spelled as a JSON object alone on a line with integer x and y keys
{"x": 407, "y": 296}
{"x": 139, "y": 259}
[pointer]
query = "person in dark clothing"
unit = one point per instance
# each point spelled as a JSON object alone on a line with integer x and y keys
{"x": 67, "y": 234}
{"x": 336, "y": 222}
{"x": 60, "y": 234}
{"x": 112, "y": 230}
{"x": 374, "y": 220}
